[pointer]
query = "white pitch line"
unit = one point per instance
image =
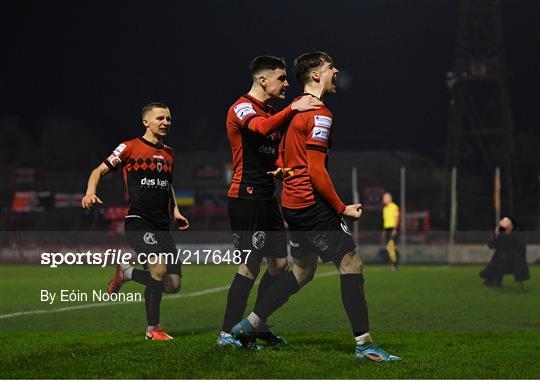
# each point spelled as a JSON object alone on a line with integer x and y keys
{"x": 106, "y": 304}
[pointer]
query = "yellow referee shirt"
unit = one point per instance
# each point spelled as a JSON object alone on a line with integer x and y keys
{"x": 390, "y": 216}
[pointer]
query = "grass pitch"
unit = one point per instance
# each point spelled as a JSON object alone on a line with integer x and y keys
{"x": 441, "y": 320}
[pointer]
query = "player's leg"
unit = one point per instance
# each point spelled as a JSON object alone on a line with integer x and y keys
{"x": 390, "y": 246}
{"x": 275, "y": 248}
{"x": 236, "y": 304}
{"x": 153, "y": 294}
{"x": 125, "y": 271}
{"x": 243, "y": 217}
{"x": 238, "y": 294}
{"x": 172, "y": 281}
{"x": 354, "y": 301}
{"x": 276, "y": 268}
{"x": 303, "y": 271}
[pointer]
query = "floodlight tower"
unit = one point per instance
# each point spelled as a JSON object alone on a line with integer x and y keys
{"x": 480, "y": 125}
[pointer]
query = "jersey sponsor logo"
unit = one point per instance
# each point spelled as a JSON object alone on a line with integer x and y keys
{"x": 154, "y": 183}
{"x": 244, "y": 109}
{"x": 150, "y": 238}
{"x": 323, "y": 121}
{"x": 114, "y": 160}
{"x": 345, "y": 227}
{"x": 266, "y": 149}
{"x": 258, "y": 240}
{"x": 320, "y": 133}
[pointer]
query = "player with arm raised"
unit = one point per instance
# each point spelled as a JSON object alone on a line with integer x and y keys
{"x": 147, "y": 166}
{"x": 315, "y": 213}
{"x": 253, "y": 128}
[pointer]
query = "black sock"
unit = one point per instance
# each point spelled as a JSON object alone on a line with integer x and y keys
{"x": 354, "y": 301}
{"x": 236, "y": 301}
{"x": 152, "y": 300}
{"x": 140, "y": 276}
{"x": 267, "y": 281}
{"x": 277, "y": 295}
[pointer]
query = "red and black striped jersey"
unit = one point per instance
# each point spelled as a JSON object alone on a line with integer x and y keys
{"x": 148, "y": 174}
{"x": 304, "y": 186}
{"x": 254, "y": 145}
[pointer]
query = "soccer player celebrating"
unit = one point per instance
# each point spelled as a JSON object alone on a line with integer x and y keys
{"x": 147, "y": 166}
{"x": 314, "y": 213}
{"x": 253, "y": 128}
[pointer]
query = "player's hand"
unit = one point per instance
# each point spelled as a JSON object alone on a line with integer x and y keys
{"x": 183, "y": 223}
{"x": 353, "y": 211}
{"x": 89, "y": 200}
{"x": 394, "y": 233}
{"x": 306, "y": 103}
{"x": 276, "y": 173}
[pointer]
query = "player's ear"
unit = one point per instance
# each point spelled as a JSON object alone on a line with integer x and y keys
{"x": 263, "y": 81}
{"x": 315, "y": 75}
{"x": 145, "y": 123}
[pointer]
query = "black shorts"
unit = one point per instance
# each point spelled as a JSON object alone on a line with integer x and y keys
{"x": 388, "y": 235}
{"x": 145, "y": 239}
{"x": 257, "y": 225}
{"x": 318, "y": 229}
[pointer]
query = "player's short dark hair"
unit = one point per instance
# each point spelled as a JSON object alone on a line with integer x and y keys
{"x": 152, "y": 105}
{"x": 305, "y": 63}
{"x": 260, "y": 63}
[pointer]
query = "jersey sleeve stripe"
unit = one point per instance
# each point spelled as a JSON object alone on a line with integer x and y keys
{"x": 246, "y": 123}
{"x": 315, "y": 147}
{"x": 111, "y": 167}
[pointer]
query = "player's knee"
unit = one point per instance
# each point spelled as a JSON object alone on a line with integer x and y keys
{"x": 250, "y": 270}
{"x": 172, "y": 285}
{"x": 158, "y": 272}
{"x": 276, "y": 268}
{"x": 350, "y": 264}
{"x": 304, "y": 276}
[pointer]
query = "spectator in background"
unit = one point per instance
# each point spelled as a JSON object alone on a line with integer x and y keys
{"x": 390, "y": 214}
{"x": 509, "y": 257}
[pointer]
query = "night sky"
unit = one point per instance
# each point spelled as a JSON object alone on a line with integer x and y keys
{"x": 99, "y": 62}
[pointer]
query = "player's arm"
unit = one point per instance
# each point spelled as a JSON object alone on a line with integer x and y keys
{"x": 183, "y": 223}
{"x": 266, "y": 126}
{"x": 316, "y": 162}
{"x": 90, "y": 198}
{"x": 396, "y": 223}
{"x": 278, "y": 172}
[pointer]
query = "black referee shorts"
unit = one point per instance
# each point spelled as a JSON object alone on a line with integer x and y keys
{"x": 319, "y": 229}
{"x": 143, "y": 236}
{"x": 257, "y": 225}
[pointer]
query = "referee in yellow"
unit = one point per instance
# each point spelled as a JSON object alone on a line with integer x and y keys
{"x": 390, "y": 215}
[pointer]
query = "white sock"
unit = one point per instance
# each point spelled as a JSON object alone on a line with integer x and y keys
{"x": 150, "y": 327}
{"x": 223, "y": 333}
{"x": 255, "y": 320}
{"x": 126, "y": 271}
{"x": 363, "y": 339}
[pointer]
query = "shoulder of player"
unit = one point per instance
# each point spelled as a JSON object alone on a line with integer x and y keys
{"x": 168, "y": 149}
{"x": 321, "y": 116}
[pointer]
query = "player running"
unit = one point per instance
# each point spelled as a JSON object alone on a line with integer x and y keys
{"x": 253, "y": 128}
{"x": 147, "y": 165}
{"x": 314, "y": 213}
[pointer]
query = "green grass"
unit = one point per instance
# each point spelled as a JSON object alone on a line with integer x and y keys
{"x": 439, "y": 319}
